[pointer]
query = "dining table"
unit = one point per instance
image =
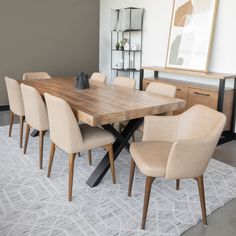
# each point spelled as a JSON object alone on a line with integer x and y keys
{"x": 104, "y": 105}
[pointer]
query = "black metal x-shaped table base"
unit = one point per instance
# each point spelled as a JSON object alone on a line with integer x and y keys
{"x": 122, "y": 141}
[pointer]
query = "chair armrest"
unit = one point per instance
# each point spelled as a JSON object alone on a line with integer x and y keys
{"x": 189, "y": 158}
{"x": 160, "y": 128}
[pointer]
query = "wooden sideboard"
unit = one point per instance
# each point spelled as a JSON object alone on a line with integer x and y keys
{"x": 218, "y": 97}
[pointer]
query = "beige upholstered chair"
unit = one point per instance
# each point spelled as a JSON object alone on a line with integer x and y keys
{"x": 36, "y": 117}
{"x": 66, "y": 134}
{"x": 160, "y": 89}
{"x": 177, "y": 147}
{"x": 16, "y": 105}
{"x": 125, "y": 82}
{"x": 36, "y": 75}
{"x": 98, "y": 77}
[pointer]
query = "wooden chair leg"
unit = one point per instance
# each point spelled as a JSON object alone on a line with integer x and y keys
{"x": 131, "y": 176}
{"x": 202, "y": 198}
{"x": 26, "y": 137}
{"x": 111, "y": 159}
{"x": 71, "y": 175}
{"x": 22, "y": 119}
{"x": 177, "y": 184}
{"x": 149, "y": 181}
{"x": 41, "y": 139}
{"x": 90, "y": 157}
{"x": 52, "y": 152}
{"x": 11, "y": 122}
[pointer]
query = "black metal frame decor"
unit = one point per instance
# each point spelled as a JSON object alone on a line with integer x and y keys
{"x": 130, "y": 55}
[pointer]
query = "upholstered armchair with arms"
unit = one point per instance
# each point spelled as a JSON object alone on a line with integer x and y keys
{"x": 177, "y": 147}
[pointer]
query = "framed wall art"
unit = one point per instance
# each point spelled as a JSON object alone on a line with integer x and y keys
{"x": 191, "y": 34}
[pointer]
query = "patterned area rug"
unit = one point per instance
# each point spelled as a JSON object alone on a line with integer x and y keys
{"x": 32, "y": 204}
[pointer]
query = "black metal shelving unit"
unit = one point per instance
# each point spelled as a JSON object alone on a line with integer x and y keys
{"x": 130, "y": 55}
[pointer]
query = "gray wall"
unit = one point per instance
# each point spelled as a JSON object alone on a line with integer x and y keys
{"x": 57, "y": 36}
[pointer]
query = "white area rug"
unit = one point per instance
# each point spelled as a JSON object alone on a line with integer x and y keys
{"x": 32, "y": 204}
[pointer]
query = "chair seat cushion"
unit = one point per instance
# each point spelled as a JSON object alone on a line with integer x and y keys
{"x": 94, "y": 137}
{"x": 151, "y": 157}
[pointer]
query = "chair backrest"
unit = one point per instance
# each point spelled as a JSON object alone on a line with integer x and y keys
{"x": 64, "y": 128}
{"x": 15, "y": 96}
{"x": 125, "y": 82}
{"x": 162, "y": 89}
{"x": 98, "y": 77}
{"x": 36, "y": 75}
{"x": 199, "y": 130}
{"x": 198, "y": 122}
{"x": 35, "y": 109}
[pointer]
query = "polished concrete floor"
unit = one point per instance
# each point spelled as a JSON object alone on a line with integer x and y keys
{"x": 223, "y": 221}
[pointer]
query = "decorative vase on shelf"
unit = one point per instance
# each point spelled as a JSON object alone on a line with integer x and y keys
{"x": 122, "y": 44}
{"x": 126, "y": 46}
{"x": 118, "y": 46}
{"x": 134, "y": 47}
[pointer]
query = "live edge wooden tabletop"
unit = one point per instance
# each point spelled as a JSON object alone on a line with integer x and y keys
{"x": 105, "y": 104}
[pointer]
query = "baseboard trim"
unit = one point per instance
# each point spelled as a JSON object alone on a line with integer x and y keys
{"x": 4, "y": 108}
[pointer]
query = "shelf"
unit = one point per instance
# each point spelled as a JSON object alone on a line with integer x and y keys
{"x": 213, "y": 88}
{"x": 122, "y": 69}
{"x": 126, "y": 31}
{"x": 209, "y": 75}
{"x": 114, "y": 50}
{"x": 130, "y": 58}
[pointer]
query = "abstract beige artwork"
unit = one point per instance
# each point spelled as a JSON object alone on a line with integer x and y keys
{"x": 191, "y": 34}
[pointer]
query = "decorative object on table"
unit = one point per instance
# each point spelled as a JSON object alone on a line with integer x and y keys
{"x": 191, "y": 34}
{"x": 117, "y": 46}
{"x": 131, "y": 49}
{"x": 82, "y": 81}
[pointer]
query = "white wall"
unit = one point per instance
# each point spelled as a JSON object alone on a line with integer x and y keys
{"x": 156, "y": 33}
